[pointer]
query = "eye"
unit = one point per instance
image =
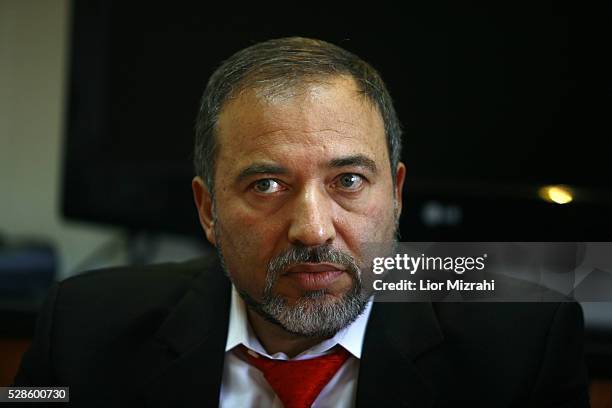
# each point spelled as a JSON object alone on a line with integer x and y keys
{"x": 267, "y": 186}
{"x": 350, "y": 181}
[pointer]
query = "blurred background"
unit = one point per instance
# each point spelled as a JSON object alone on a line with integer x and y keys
{"x": 506, "y": 112}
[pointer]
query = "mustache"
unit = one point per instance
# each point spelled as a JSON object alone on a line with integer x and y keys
{"x": 301, "y": 254}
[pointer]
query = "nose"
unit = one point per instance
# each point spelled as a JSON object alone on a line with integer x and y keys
{"x": 312, "y": 221}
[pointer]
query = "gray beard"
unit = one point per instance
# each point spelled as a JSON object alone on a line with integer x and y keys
{"x": 317, "y": 313}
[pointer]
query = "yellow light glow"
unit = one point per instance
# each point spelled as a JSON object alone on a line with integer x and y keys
{"x": 556, "y": 194}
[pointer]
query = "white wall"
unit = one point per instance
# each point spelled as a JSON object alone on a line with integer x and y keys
{"x": 33, "y": 60}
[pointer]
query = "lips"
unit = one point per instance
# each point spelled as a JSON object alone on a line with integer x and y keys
{"x": 313, "y": 268}
{"x": 309, "y": 276}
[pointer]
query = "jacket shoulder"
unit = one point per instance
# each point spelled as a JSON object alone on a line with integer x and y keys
{"x": 126, "y": 287}
{"x": 121, "y": 297}
{"x": 100, "y": 318}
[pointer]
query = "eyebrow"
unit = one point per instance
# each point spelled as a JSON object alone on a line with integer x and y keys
{"x": 358, "y": 160}
{"x": 261, "y": 168}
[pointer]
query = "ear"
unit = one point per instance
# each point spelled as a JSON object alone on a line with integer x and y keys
{"x": 400, "y": 176}
{"x": 204, "y": 204}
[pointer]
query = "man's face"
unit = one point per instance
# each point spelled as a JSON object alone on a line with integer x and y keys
{"x": 301, "y": 183}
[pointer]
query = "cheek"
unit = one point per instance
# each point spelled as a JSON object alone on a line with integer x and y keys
{"x": 374, "y": 223}
{"x": 249, "y": 227}
{"x": 381, "y": 221}
{"x": 247, "y": 241}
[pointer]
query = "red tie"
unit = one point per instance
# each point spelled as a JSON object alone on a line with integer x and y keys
{"x": 298, "y": 382}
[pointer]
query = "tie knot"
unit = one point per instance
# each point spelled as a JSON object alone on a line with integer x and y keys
{"x": 298, "y": 382}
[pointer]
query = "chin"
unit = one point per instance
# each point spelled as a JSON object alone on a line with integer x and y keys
{"x": 313, "y": 298}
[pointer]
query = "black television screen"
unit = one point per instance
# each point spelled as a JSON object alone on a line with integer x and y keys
{"x": 495, "y": 102}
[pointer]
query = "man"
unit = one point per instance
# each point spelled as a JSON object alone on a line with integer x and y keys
{"x": 297, "y": 155}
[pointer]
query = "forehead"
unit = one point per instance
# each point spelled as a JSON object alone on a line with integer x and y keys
{"x": 320, "y": 120}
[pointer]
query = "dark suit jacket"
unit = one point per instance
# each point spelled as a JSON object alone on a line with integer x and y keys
{"x": 155, "y": 336}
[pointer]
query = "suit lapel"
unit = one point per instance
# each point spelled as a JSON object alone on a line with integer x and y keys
{"x": 185, "y": 358}
{"x": 397, "y": 335}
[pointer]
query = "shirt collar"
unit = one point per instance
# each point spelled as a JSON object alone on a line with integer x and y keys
{"x": 240, "y": 332}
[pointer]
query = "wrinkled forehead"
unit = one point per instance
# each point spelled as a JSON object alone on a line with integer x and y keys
{"x": 331, "y": 112}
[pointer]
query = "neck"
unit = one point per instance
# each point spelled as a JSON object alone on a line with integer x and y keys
{"x": 275, "y": 339}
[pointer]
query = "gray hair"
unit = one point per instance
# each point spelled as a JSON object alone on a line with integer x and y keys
{"x": 278, "y": 65}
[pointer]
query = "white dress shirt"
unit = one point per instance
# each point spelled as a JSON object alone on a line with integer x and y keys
{"x": 245, "y": 386}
